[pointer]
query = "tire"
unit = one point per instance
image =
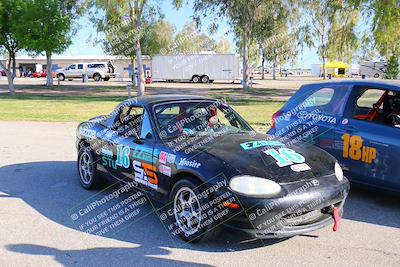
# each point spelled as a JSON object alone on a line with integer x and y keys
{"x": 190, "y": 230}
{"x": 88, "y": 174}
{"x": 376, "y": 75}
{"x": 205, "y": 79}
{"x": 97, "y": 77}
{"x": 106, "y": 79}
{"x": 211, "y": 81}
{"x": 61, "y": 77}
{"x": 196, "y": 78}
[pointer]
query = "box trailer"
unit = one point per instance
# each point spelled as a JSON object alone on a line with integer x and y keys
{"x": 202, "y": 68}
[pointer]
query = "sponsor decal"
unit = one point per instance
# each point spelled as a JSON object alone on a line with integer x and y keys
{"x": 189, "y": 163}
{"x": 171, "y": 158}
{"x": 300, "y": 167}
{"x": 144, "y": 154}
{"x": 165, "y": 170}
{"x": 315, "y": 116}
{"x": 88, "y": 133}
{"x": 162, "y": 158}
{"x": 285, "y": 156}
{"x": 345, "y": 121}
{"x": 145, "y": 174}
{"x": 123, "y": 153}
{"x": 106, "y": 152}
{"x": 261, "y": 143}
{"x": 353, "y": 148}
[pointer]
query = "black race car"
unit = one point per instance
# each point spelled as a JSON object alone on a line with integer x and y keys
{"x": 201, "y": 158}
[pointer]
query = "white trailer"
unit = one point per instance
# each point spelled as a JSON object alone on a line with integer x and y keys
{"x": 196, "y": 68}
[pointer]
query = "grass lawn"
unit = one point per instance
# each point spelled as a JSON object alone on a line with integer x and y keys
{"x": 82, "y": 107}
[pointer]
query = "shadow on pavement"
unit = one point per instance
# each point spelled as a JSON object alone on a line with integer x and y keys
{"x": 53, "y": 189}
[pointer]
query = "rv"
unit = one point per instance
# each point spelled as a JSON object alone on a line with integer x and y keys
{"x": 376, "y": 69}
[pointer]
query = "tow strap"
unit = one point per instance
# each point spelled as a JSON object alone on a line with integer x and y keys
{"x": 336, "y": 219}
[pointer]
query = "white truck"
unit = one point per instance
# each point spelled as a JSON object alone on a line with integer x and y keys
{"x": 95, "y": 70}
{"x": 376, "y": 69}
{"x": 197, "y": 68}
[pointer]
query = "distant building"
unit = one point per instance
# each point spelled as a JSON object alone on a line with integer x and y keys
{"x": 122, "y": 65}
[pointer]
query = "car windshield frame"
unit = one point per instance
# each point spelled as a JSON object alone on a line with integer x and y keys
{"x": 210, "y": 102}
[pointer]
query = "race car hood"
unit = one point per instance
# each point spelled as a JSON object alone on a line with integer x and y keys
{"x": 246, "y": 155}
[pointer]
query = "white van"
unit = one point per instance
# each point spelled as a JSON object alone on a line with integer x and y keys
{"x": 96, "y": 70}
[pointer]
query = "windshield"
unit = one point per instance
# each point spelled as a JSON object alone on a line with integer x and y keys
{"x": 198, "y": 117}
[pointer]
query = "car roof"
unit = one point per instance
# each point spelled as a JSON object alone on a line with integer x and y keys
{"x": 389, "y": 85}
{"x": 156, "y": 99}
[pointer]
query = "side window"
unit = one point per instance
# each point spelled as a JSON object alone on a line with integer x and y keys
{"x": 146, "y": 130}
{"x": 80, "y": 66}
{"x": 325, "y": 100}
{"x": 128, "y": 121}
{"x": 72, "y": 67}
{"x": 369, "y": 98}
{"x": 319, "y": 98}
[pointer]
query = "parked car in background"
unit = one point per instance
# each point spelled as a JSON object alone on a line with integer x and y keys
{"x": 94, "y": 70}
{"x": 39, "y": 74}
{"x": 358, "y": 122}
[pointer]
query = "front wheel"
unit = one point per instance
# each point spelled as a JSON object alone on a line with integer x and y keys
{"x": 189, "y": 218}
{"x": 376, "y": 75}
{"x": 60, "y": 77}
{"x": 89, "y": 178}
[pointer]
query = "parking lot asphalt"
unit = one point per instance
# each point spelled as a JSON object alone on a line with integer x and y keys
{"x": 39, "y": 189}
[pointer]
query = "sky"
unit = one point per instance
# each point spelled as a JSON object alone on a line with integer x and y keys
{"x": 82, "y": 44}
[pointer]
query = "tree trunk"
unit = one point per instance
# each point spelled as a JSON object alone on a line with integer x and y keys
{"x": 141, "y": 83}
{"x": 11, "y": 88}
{"x": 324, "y": 67}
{"x": 262, "y": 65}
{"x": 274, "y": 68}
{"x": 245, "y": 50}
{"x": 49, "y": 77}
{"x": 133, "y": 78}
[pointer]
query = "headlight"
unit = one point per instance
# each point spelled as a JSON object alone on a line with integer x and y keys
{"x": 338, "y": 171}
{"x": 254, "y": 186}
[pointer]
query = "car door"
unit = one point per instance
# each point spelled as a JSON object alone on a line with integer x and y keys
{"x": 70, "y": 71}
{"x": 370, "y": 149}
{"x": 79, "y": 70}
{"x": 134, "y": 149}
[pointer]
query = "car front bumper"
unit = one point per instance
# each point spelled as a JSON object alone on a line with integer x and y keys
{"x": 297, "y": 213}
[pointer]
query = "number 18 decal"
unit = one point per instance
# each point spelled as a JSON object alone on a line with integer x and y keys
{"x": 285, "y": 156}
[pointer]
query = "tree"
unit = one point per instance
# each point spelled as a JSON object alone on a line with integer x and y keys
{"x": 240, "y": 16}
{"x": 11, "y": 14}
{"x": 392, "y": 70}
{"x": 158, "y": 37}
{"x": 331, "y": 23}
{"x": 278, "y": 41}
{"x": 128, "y": 19}
{"x": 385, "y": 27}
{"x": 46, "y": 29}
{"x": 189, "y": 40}
{"x": 223, "y": 46}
